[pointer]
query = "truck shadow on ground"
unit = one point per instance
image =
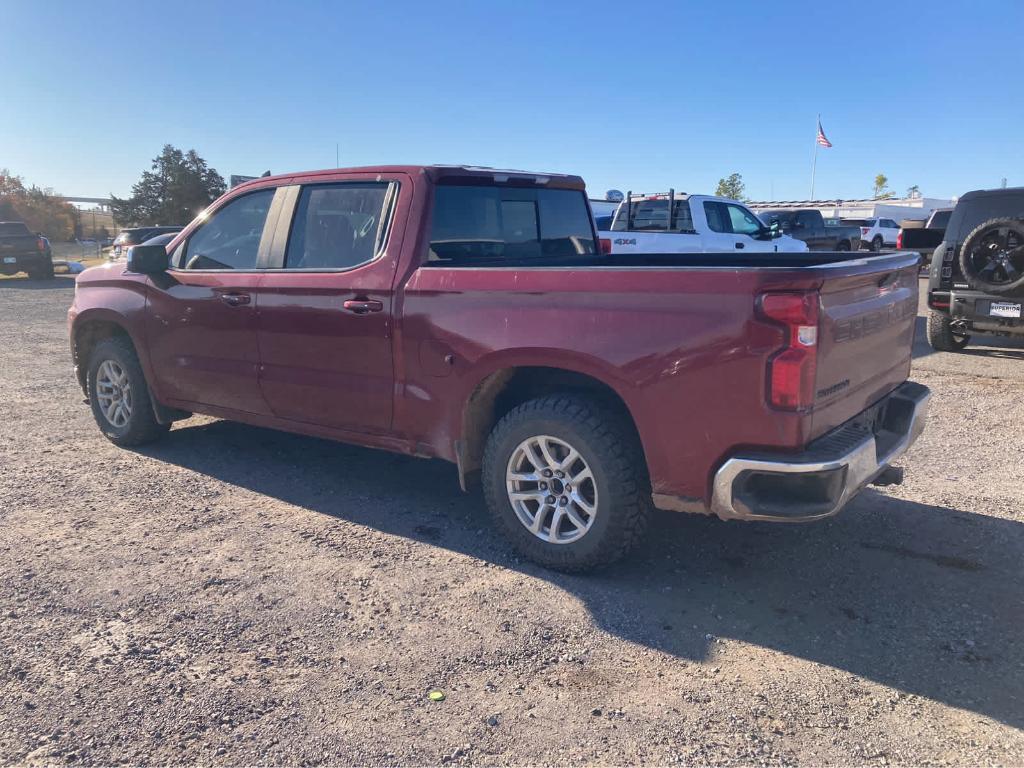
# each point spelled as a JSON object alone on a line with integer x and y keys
{"x": 926, "y": 599}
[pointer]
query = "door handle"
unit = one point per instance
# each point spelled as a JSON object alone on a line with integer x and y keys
{"x": 740, "y": 245}
{"x": 363, "y": 306}
{"x": 236, "y": 299}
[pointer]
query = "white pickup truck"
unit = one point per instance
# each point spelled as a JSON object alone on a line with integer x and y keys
{"x": 697, "y": 224}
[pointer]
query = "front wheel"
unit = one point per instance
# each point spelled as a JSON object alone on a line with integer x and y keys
{"x": 565, "y": 481}
{"x": 843, "y": 245}
{"x": 119, "y": 395}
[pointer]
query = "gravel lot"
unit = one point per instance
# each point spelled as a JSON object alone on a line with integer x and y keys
{"x": 235, "y": 596}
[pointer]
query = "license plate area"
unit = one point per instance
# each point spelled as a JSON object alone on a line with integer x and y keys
{"x": 1004, "y": 309}
{"x": 10, "y": 260}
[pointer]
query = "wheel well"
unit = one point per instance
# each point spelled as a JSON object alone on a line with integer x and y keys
{"x": 503, "y": 390}
{"x": 87, "y": 336}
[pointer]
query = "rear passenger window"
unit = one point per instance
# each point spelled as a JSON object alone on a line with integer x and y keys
{"x": 230, "y": 238}
{"x": 652, "y": 216}
{"x": 498, "y": 224}
{"x": 337, "y": 226}
{"x": 716, "y": 216}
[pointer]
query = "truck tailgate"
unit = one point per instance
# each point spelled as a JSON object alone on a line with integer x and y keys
{"x": 864, "y": 342}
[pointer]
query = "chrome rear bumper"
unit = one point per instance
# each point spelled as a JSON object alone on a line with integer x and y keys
{"x": 820, "y": 481}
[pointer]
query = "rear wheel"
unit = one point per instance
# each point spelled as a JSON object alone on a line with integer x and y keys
{"x": 843, "y": 245}
{"x": 565, "y": 482}
{"x": 42, "y": 272}
{"x": 877, "y": 244}
{"x": 119, "y": 395}
{"x": 941, "y": 334}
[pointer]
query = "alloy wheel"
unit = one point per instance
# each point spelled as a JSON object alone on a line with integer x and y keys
{"x": 552, "y": 489}
{"x": 114, "y": 393}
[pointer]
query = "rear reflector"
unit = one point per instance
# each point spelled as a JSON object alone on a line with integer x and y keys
{"x": 791, "y": 370}
{"x": 606, "y": 245}
{"x": 899, "y": 240}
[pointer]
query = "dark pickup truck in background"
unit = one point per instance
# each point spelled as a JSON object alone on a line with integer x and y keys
{"x": 468, "y": 314}
{"x": 22, "y": 250}
{"x": 924, "y": 240}
{"x": 809, "y": 225}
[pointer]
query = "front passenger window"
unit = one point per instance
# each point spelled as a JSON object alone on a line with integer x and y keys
{"x": 230, "y": 238}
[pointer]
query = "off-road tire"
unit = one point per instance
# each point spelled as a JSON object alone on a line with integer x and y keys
{"x": 606, "y": 441}
{"x": 941, "y": 336}
{"x": 142, "y": 426}
{"x": 1014, "y": 288}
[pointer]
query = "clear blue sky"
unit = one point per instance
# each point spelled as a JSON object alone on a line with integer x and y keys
{"x": 639, "y": 96}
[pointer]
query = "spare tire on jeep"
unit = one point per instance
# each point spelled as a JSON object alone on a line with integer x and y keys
{"x": 992, "y": 257}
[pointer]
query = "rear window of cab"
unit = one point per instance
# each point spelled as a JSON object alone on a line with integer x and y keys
{"x": 488, "y": 225}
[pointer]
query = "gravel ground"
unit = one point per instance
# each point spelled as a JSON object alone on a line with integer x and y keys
{"x": 235, "y": 596}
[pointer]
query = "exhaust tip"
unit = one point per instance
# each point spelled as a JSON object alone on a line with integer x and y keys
{"x": 889, "y": 476}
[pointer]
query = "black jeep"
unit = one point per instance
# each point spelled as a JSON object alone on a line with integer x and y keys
{"x": 976, "y": 280}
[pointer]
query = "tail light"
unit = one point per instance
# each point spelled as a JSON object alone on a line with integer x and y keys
{"x": 864, "y": 231}
{"x": 40, "y": 244}
{"x": 792, "y": 369}
{"x": 606, "y": 245}
{"x": 899, "y": 240}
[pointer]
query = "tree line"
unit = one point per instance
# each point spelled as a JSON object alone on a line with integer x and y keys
{"x": 42, "y": 209}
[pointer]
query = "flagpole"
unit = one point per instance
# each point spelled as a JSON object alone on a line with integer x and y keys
{"x": 814, "y": 161}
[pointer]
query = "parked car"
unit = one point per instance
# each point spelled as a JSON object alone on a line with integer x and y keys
{"x": 878, "y": 233}
{"x": 136, "y": 236}
{"x": 809, "y": 226}
{"x": 925, "y": 239}
{"x": 976, "y": 280}
{"x": 467, "y": 314}
{"x": 22, "y": 250}
{"x": 697, "y": 224}
{"x": 164, "y": 239}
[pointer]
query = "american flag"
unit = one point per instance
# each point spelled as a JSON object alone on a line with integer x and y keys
{"x": 822, "y": 140}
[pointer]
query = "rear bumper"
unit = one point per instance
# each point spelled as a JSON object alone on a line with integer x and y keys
{"x": 821, "y": 480}
{"x": 975, "y": 310}
{"x": 17, "y": 262}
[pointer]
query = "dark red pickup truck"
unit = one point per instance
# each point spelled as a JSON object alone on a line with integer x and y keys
{"x": 469, "y": 314}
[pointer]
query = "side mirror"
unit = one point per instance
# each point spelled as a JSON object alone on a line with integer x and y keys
{"x": 774, "y": 229}
{"x": 147, "y": 259}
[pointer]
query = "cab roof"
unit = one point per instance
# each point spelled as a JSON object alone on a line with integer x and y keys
{"x": 441, "y": 174}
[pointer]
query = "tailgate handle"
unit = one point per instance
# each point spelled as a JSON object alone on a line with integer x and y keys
{"x": 740, "y": 245}
{"x": 888, "y": 280}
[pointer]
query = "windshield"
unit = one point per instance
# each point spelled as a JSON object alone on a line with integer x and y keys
{"x": 14, "y": 228}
